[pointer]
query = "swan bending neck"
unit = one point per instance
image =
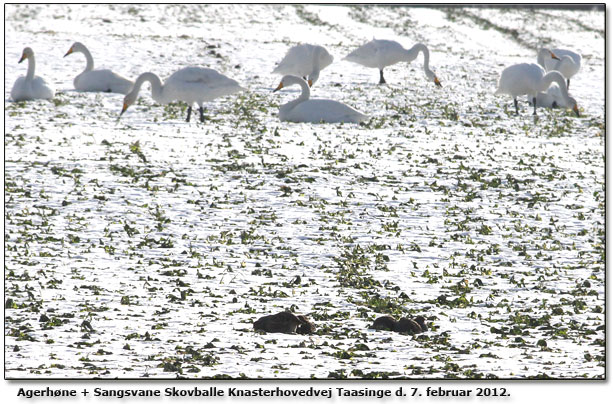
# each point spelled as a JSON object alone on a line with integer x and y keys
{"x": 156, "y": 85}
{"x": 554, "y": 77}
{"x": 414, "y": 51}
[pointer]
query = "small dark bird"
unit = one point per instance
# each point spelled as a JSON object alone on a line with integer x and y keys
{"x": 284, "y": 322}
{"x": 410, "y": 326}
{"x": 306, "y": 327}
{"x": 422, "y": 323}
{"x": 404, "y": 325}
{"x": 387, "y": 323}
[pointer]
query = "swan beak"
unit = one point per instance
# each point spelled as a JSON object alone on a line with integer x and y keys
{"x": 69, "y": 52}
{"x": 310, "y": 83}
{"x": 278, "y": 88}
{"x": 125, "y": 107}
{"x": 576, "y": 109}
{"x": 23, "y": 57}
{"x": 553, "y": 56}
{"x": 438, "y": 83}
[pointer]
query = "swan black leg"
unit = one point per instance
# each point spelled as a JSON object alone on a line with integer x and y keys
{"x": 189, "y": 113}
{"x": 381, "y": 79}
{"x": 201, "y": 114}
{"x": 567, "y": 84}
{"x": 516, "y": 107}
{"x": 534, "y": 102}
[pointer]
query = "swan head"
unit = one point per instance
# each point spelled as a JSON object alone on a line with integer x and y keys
{"x": 124, "y": 109}
{"x": 128, "y": 100}
{"x": 573, "y": 102}
{"x": 76, "y": 47}
{"x": 288, "y": 80}
{"x": 432, "y": 77}
{"x": 27, "y": 53}
{"x": 549, "y": 53}
{"x": 543, "y": 53}
{"x": 313, "y": 77}
{"x": 280, "y": 86}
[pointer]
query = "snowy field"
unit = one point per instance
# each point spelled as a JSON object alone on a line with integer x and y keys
{"x": 148, "y": 246}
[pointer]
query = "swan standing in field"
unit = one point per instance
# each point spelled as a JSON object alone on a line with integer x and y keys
{"x": 30, "y": 87}
{"x": 190, "y": 85}
{"x": 381, "y": 53}
{"x": 97, "y": 80}
{"x": 305, "y": 61}
{"x": 566, "y": 62}
{"x": 530, "y": 79}
{"x": 304, "y": 109}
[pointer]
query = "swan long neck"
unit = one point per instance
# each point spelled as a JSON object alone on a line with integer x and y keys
{"x": 304, "y": 95}
{"x": 554, "y": 77}
{"x": 89, "y": 59}
{"x": 31, "y": 67}
{"x": 157, "y": 89}
{"x": 414, "y": 51}
{"x": 306, "y": 91}
{"x": 540, "y": 57}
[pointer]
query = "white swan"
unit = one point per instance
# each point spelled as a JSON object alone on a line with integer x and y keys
{"x": 30, "y": 87}
{"x": 97, "y": 80}
{"x": 190, "y": 85}
{"x": 552, "y": 98}
{"x": 566, "y": 62}
{"x": 381, "y": 53}
{"x": 305, "y": 61}
{"x": 304, "y": 109}
{"x": 530, "y": 79}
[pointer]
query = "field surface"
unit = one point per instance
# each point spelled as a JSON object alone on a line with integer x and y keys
{"x": 148, "y": 246}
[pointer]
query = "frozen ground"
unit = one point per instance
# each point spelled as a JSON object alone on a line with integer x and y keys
{"x": 147, "y": 247}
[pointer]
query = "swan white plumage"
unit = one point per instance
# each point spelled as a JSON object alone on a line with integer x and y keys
{"x": 306, "y": 61}
{"x": 304, "y": 109}
{"x": 530, "y": 79}
{"x": 97, "y": 80}
{"x": 30, "y": 87}
{"x": 566, "y": 62}
{"x": 381, "y": 53}
{"x": 552, "y": 98}
{"x": 190, "y": 85}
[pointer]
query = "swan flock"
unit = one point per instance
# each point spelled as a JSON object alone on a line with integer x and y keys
{"x": 545, "y": 83}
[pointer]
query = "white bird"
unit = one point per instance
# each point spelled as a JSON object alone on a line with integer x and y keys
{"x": 381, "y": 53}
{"x": 305, "y": 61}
{"x": 530, "y": 79}
{"x": 97, "y": 80}
{"x": 304, "y": 109}
{"x": 552, "y": 98}
{"x": 30, "y": 87}
{"x": 190, "y": 85}
{"x": 566, "y": 62}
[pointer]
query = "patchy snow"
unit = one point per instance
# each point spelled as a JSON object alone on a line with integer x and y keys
{"x": 148, "y": 246}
